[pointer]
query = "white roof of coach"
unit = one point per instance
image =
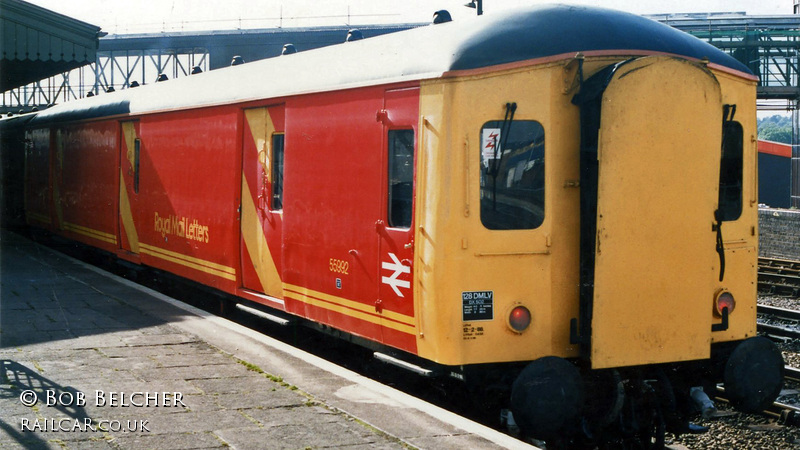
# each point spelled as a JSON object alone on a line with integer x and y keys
{"x": 416, "y": 54}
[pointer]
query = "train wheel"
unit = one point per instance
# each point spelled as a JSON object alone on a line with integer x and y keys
{"x": 547, "y": 397}
{"x": 754, "y": 375}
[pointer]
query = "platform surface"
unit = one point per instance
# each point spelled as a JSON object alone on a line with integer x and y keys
{"x": 90, "y": 360}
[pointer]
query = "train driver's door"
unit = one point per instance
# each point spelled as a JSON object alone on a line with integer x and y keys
{"x": 395, "y": 228}
{"x": 130, "y": 153}
{"x": 262, "y": 202}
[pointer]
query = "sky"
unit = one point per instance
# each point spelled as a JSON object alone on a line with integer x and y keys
{"x": 149, "y": 16}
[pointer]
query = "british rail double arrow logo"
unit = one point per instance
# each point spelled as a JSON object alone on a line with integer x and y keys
{"x": 398, "y": 269}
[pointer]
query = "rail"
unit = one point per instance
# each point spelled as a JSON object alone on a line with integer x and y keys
{"x": 779, "y": 277}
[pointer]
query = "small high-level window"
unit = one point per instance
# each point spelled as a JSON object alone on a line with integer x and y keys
{"x": 276, "y": 202}
{"x": 512, "y": 175}
{"x": 137, "y": 148}
{"x": 401, "y": 177}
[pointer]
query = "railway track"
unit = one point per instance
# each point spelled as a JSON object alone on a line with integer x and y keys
{"x": 779, "y": 277}
{"x": 789, "y": 326}
{"x": 787, "y": 414}
{"x": 776, "y": 265}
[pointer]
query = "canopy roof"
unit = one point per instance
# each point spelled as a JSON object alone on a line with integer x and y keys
{"x": 38, "y": 43}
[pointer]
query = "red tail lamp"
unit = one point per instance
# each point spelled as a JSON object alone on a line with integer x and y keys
{"x": 519, "y": 319}
{"x": 724, "y": 300}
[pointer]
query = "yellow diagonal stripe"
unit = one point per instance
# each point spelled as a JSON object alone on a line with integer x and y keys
{"x": 129, "y": 134}
{"x": 261, "y": 129}
{"x": 127, "y": 216}
{"x": 257, "y": 247}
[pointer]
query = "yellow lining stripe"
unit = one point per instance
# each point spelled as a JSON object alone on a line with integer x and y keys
{"x": 391, "y": 319}
{"x": 229, "y": 273}
{"x": 38, "y": 217}
{"x": 95, "y": 234}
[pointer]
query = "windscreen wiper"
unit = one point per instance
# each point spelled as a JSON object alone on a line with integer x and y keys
{"x": 505, "y": 128}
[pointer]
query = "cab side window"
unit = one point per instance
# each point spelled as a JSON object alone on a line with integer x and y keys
{"x": 731, "y": 171}
{"x": 512, "y": 175}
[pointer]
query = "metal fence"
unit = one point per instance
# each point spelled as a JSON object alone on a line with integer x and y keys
{"x": 113, "y": 69}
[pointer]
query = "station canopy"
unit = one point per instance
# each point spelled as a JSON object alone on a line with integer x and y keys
{"x": 38, "y": 43}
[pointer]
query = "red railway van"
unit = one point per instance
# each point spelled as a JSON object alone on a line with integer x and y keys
{"x": 528, "y": 202}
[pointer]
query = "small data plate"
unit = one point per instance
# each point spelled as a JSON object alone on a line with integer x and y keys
{"x": 477, "y": 305}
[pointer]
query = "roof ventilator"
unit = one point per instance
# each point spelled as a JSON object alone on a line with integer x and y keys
{"x": 288, "y": 49}
{"x": 162, "y": 77}
{"x": 354, "y": 35}
{"x": 441, "y": 16}
{"x": 237, "y": 60}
